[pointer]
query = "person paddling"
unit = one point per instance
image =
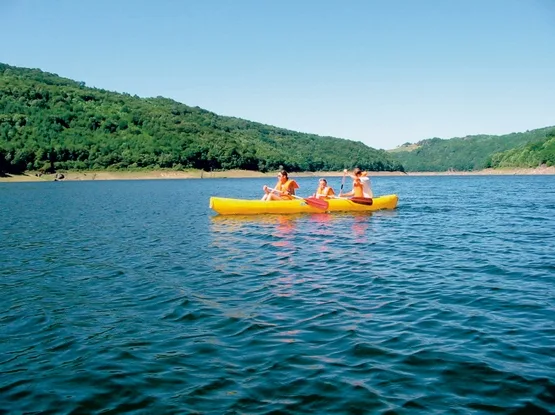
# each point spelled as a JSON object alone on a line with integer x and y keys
{"x": 285, "y": 187}
{"x": 323, "y": 191}
{"x": 361, "y": 184}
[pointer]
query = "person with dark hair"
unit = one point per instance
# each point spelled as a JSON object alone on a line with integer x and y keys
{"x": 283, "y": 190}
{"x": 361, "y": 184}
{"x": 323, "y": 191}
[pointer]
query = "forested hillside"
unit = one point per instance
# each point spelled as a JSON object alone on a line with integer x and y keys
{"x": 532, "y": 155}
{"x": 48, "y": 122}
{"x": 474, "y": 152}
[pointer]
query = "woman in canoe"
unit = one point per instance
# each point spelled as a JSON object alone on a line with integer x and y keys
{"x": 361, "y": 184}
{"x": 323, "y": 191}
{"x": 285, "y": 187}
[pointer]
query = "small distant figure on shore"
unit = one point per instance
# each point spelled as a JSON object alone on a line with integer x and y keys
{"x": 283, "y": 190}
{"x": 361, "y": 184}
{"x": 323, "y": 191}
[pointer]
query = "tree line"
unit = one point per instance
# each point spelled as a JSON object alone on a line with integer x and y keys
{"x": 527, "y": 149}
{"x": 52, "y": 123}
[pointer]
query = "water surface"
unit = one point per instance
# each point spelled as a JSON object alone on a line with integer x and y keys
{"x": 133, "y": 297}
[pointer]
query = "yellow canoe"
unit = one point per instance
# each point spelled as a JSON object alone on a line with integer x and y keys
{"x": 225, "y": 206}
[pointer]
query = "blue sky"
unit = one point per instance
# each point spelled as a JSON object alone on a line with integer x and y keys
{"x": 381, "y": 72}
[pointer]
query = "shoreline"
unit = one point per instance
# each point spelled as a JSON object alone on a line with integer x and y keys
{"x": 198, "y": 174}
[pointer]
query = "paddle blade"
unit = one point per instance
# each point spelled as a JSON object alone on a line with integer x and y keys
{"x": 362, "y": 200}
{"x": 317, "y": 203}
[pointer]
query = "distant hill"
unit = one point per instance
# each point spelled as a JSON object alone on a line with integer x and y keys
{"x": 48, "y": 122}
{"x": 474, "y": 152}
{"x": 535, "y": 154}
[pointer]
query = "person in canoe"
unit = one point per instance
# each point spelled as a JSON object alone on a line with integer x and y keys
{"x": 361, "y": 184}
{"x": 285, "y": 187}
{"x": 323, "y": 191}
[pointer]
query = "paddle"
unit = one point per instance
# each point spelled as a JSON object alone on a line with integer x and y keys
{"x": 316, "y": 203}
{"x": 311, "y": 201}
{"x": 343, "y": 181}
{"x": 360, "y": 200}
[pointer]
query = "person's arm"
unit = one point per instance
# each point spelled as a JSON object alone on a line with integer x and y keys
{"x": 268, "y": 189}
{"x": 275, "y": 190}
{"x": 348, "y": 173}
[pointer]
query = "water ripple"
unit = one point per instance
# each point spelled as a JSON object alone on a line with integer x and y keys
{"x": 133, "y": 297}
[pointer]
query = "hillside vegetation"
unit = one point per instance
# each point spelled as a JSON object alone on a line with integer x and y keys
{"x": 528, "y": 149}
{"x": 48, "y": 122}
{"x": 535, "y": 154}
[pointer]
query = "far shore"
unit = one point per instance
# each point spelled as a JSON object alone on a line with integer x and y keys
{"x": 198, "y": 174}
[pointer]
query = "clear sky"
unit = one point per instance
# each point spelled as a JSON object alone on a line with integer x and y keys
{"x": 383, "y": 72}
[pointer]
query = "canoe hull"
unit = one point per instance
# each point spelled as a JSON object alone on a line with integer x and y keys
{"x": 226, "y": 206}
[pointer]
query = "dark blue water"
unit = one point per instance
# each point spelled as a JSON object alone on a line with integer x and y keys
{"x": 133, "y": 297}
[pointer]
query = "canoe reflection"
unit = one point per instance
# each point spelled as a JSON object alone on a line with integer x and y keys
{"x": 269, "y": 235}
{"x": 360, "y": 228}
{"x": 283, "y": 230}
{"x": 288, "y": 253}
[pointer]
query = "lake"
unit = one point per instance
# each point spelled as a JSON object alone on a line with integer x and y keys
{"x": 134, "y": 297}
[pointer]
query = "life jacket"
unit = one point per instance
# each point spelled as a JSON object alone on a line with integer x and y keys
{"x": 289, "y": 186}
{"x": 325, "y": 192}
{"x": 358, "y": 188}
{"x": 365, "y": 190}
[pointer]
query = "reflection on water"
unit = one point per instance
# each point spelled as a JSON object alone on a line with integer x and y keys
{"x": 284, "y": 232}
{"x": 286, "y": 246}
{"x": 360, "y": 228}
{"x": 291, "y": 233}
{"x": 332, "y": 235}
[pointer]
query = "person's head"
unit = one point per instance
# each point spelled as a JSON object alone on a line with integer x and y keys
{"x": 282, "y": 176}
{"x": 323, "y": 183}
{"x": 357, "y": 172}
